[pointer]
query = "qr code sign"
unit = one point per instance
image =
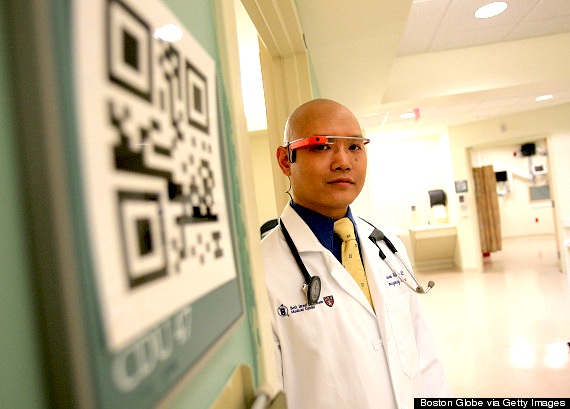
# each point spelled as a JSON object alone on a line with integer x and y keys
{"x": 152, "y": 170}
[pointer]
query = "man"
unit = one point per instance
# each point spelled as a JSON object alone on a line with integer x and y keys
{"x": 361, "y": 342}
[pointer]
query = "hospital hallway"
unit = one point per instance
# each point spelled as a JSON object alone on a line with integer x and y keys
{"x": 504, "y": 332}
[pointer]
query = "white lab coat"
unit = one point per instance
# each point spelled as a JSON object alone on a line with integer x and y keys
{"x": 344, "y": 355}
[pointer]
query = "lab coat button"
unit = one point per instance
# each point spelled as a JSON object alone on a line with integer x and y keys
{"x": 376, "y": 344}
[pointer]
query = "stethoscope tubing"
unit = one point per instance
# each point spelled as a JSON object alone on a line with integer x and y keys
{"x": 312, "y": 285}
{"x": 376, "y": 236}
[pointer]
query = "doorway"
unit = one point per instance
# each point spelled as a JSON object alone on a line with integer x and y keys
{"x": 523, "y": 180}
{"x": 255, "y": 114}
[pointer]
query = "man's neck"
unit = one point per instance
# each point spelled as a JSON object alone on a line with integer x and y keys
{"x": 321, "y": 226}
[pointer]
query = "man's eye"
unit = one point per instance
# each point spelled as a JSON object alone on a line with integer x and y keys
{"x": 356, "y": 147}
{"x": 319, "y": 148}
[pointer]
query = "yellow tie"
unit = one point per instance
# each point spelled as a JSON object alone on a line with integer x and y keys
{"x": 351, "y": 256}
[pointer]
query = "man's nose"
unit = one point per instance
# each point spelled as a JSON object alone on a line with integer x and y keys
{"x": 341, "y": 158}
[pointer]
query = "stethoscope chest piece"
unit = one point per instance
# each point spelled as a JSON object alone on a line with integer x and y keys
{"x": 313, "y": 290}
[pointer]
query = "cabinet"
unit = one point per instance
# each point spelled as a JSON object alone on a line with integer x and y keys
{"x": 433, "y": 246}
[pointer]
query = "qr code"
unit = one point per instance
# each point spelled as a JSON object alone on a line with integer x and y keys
{"x": 158, "y": 113}
{"x": 153, "y": 181}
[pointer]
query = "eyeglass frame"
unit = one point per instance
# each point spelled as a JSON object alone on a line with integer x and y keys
{"x": 319, "y": 140}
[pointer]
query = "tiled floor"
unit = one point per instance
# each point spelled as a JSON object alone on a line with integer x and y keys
{"x": 503, "y": 332}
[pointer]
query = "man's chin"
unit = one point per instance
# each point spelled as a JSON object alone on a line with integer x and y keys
{"x": 344, "y": 196}
{"x": 340, "y": 201}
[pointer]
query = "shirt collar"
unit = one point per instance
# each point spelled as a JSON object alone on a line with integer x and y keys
{"x": 321, "y": 226}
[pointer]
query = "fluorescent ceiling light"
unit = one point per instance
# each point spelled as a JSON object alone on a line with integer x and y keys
{"x": 407, "y": 115}
{"x": 544, "y": 97}
{"x": 169, "y": 33}
{"x": 491, "y": 9}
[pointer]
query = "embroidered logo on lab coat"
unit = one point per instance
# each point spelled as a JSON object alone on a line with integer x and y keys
{"x": 292, "y": 310}
{"x": 283, "y": 311}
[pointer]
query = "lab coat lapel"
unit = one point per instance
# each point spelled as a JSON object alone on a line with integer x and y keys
{"x": 373, "y": 267}
{"x": 302, "y": 236}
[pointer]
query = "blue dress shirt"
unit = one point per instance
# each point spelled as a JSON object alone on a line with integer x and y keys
{"x": 323, "y": 228}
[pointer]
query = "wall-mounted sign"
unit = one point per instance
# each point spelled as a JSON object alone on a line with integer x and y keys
{"x": 153, "y": 180}
{"x": 460, "y": 186}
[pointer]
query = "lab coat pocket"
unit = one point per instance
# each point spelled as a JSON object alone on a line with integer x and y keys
{"x": 400, "y": 318}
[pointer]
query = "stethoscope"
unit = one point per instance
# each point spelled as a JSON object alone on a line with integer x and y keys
{"x": 312, "y": 285}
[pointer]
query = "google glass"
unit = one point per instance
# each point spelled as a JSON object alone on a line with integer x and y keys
{"x": 320, "y": 140}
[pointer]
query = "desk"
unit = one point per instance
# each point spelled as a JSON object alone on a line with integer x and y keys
{"x": 433, "y": 246}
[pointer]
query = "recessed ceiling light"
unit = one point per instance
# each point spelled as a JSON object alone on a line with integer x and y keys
{"x": 491, "y": 9}
{"x": 544, "y": 97}
{"x": 169, "y": 33}
{"x": 407, "y": 115}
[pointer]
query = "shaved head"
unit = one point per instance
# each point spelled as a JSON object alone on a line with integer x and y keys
{"x": 324, "y": 112}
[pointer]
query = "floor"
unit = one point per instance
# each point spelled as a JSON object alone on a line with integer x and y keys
{"x": 504, "y": 332}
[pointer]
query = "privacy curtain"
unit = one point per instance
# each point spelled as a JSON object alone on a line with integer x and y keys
{"x": 487, "y": 208}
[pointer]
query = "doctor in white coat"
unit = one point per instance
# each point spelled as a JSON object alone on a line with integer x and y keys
{"x": 341, "y": 351}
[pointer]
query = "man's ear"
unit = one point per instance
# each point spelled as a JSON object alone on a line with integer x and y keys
{"x": 283, "y": 160}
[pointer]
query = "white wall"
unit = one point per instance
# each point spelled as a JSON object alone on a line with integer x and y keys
{"x": 519, "y": 216}
{"x": 400, "y": 174}
{"x": 263, "y": 177}
{"x": 559, "y": 148}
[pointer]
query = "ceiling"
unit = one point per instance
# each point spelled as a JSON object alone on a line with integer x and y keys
{"x": 382, "y": 58}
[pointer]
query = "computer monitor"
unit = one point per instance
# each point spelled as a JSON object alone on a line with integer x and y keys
{"x": 501, "y": 176}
